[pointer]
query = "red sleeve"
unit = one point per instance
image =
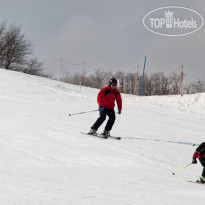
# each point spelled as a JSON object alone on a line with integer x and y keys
{"x": 195, "y": 155}
{"x": 100, "y": 96}
{"x": 119, "y": 101}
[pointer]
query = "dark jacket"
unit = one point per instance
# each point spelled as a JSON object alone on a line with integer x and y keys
{"x": 107, "y": 96}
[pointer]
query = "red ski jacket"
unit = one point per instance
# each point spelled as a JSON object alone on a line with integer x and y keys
{"x": 200, "y": 151}
{"x": 107, "y": 96}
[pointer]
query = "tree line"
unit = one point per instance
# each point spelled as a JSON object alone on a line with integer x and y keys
{"x": 131, "y": 83}
{"x": 195, "y": 87}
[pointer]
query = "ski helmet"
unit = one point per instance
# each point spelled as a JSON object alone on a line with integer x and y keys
{"x": 112, "y": 80}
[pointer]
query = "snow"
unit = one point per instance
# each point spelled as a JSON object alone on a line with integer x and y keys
{"x": 45, "y": 160}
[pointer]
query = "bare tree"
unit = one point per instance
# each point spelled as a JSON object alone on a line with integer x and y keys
{"x": 195, "y": 87}
{"x": 34, "y": 67}
{"x": 175, "y": 81}
{"x": 16, "y": 51}
{"x": 2, "y": 42}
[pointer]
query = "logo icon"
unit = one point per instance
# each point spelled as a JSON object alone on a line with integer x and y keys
{"x": 169, "y": 18}
{"x": 173, "y": 21}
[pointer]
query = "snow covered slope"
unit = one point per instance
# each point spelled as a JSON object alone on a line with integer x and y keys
{"x": 45, "y": 160}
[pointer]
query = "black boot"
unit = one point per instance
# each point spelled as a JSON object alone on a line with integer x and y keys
{"x": 92, "y": 132}
{"x": 106, "y": 133}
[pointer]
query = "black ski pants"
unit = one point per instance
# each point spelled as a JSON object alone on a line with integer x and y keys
{"x": 111, "y": 114}
{"x": 203, "y": 164}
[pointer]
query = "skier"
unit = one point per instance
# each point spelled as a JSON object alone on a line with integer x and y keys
{"x": 200, "y": 154}
{"x": 106, "y": 101}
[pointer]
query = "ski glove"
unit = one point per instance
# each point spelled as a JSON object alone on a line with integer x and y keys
{"x": 101, "y": 108}
{"x": 194, "y": 161}
{"x": 119, "y": 112}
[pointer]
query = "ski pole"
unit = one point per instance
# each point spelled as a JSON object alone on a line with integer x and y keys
{"x": 179, "y": 170}
{"x": 82, "y": 112}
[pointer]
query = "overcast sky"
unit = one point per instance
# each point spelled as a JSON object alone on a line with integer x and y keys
{"x": 106, "y": 33}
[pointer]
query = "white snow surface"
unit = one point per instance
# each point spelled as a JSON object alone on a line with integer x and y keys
{"x": 44, "y": 159}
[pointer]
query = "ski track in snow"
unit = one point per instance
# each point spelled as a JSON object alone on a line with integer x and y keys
{"x": 44, "y": 159}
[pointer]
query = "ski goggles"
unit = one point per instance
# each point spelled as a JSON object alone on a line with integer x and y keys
{"x": 113, "y": 84}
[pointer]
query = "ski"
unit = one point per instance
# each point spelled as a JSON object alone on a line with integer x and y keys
{"x": 102, "y": 136}
{"x": 97, "y": 135}
{"x": 112, "y": 137}
{"x": 196, "y": 182}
